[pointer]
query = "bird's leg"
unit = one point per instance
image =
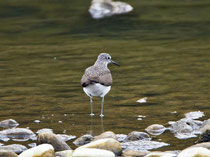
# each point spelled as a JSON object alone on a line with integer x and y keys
{"x": 91, "y": 103}
{"x": 102, "y": 103}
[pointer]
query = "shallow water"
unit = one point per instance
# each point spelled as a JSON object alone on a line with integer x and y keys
{"x": 162, "y": 46}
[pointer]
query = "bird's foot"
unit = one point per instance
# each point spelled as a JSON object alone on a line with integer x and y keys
{"x": 92, "y": 114}
{"x": 101, "y": 115}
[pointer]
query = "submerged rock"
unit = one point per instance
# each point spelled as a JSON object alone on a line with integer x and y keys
{"x": 6, "y": 153}
{"x": 107, "y": 134}
{"x": 195, "y": 152}
{"x": 185, "y": 128}
{"x": 106, "y": 144}
{"x": 8, "y": 123}
{"x": 17, "y": 134}
{"x": 92, "y": 152}
{"x": 43, "y": 150}
{"x": 103, "y": 8}
{"x": 16, "y": 148}
{"x": 142, "y": 145}
{"x": 50, "y": 138}
{"x": 155, "y": 129}
{"x": 85, "y": 139}
{"x": 135, "y": 135}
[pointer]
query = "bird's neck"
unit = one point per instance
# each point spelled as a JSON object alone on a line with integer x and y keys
{"x": 101, "y": 64}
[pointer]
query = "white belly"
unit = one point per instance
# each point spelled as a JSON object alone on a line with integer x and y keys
{"x": 96, "y": 90}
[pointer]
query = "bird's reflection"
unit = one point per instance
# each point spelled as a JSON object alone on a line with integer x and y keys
{"x": 92, "y": 126}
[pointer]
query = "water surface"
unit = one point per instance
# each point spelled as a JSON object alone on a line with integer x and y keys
{"x": 162, "y": 46}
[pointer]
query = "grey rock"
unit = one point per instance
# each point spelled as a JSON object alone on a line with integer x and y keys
{"x": 194, "y": 115}
{"x": 161, "y": 154}
{"x": 195, "y": 152}
{"x": 109, "y": 144}
{"x": 32, "y": 145}
{"x": 6, "y": 153}
{"x": 103, "y": 8}
{"x": 44, "y": 130}
{"x": 43, "y": 150}
{"x": 107, "y": 134}
{"x": 135, "y": 135}
{"x": 121, "y": 137}
{"x": 17, "y": 134}
{"x": 65, "y": 137}
{"x": 131, "y": 153}
{"x": 83, "y": 140}
{"x": 155, "y": 129}
{"x": 8, "y": 123}
{"x": 142, "y": 145}
{"x": 205, "y": 132}
{"x": 185, "y": 128}
{"x": 16, "y": 148}
{"x": 51, "y": 138}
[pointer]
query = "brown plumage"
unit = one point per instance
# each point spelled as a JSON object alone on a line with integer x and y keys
{"x": 95, "y": 74}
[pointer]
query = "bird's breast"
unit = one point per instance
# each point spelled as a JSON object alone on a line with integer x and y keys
{"x": 96, "y": 89}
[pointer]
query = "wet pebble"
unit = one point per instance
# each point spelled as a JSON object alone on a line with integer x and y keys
{"x": 185, "y": 128}
{"x": 103, "y": 8}
{"x": 9, "y": 123}
{"x": 194, "y": 115}
{"x": 64, "y": 153}
{"x": 44, "y": 130}
{"x": 161, "y": 154}
{"x": 205, "y": 132}
{"x": 131, "y": 153}
{"x": 121, "y": 137}
{"x": 92, "y": 152}
{"x": 143, "y": 100}
{"x": 17, "y": 134}
{"x": 195, "y": 152}
{"x": 32, "y": 145}
{"x": 155, "y": 129}
{"x": 204, "y": 145}
{"x": 43, "y": 150}
{"x": 142, "y": 145}
{"x": 6, "y": 153}
{"x": 16, "y": 148}
{"x": 37, "y": 121}
{"x": 83, "y": 140}
{"x": 136, "y": 135}
{"x": 107, "y": 134}
{"x": 106, "y": 144}
{"x": 65, "y": 137}
{"x": 51, "y": 138}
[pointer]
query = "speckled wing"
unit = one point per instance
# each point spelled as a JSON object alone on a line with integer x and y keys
{"x": 93, "y": 75}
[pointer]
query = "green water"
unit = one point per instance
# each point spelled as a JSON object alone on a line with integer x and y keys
{"x": 163, "y": 47}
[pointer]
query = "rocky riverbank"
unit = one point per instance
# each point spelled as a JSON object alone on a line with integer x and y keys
{"x": 108, "y": 144}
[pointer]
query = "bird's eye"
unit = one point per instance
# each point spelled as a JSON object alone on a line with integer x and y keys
{"x": 108, "y": 57}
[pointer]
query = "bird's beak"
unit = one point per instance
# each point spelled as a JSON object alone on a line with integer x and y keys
{"x": 115, "y": 63}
